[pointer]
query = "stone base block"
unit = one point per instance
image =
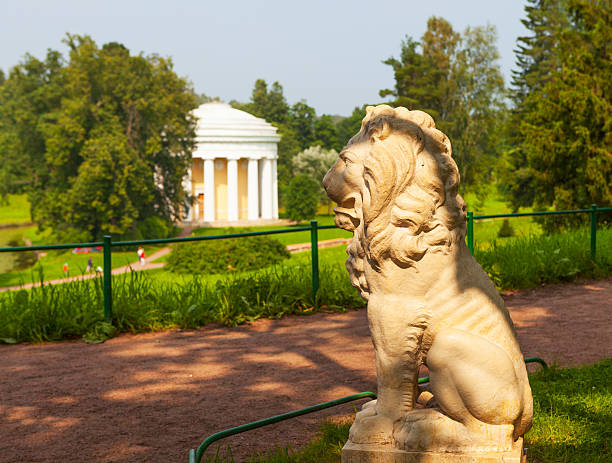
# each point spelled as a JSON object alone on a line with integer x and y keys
{"x": 362, "y": 453}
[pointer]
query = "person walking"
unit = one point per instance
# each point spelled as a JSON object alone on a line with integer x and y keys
{"x": 141, "y": 255}
{"x": 65, "y": 269}
{"x": 89, "y": 265}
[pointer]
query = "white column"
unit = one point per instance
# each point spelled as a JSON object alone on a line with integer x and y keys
{"x": 253, "y": 181}
{"x": 266, "y": 189}
{"x": 209, "y": 190}
{"x": 232, "y": 189}
{"x": 274, "y": 191}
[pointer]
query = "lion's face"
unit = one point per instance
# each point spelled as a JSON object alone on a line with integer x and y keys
{"x": 345, "y": 185}
{"x": 395, "y": 184}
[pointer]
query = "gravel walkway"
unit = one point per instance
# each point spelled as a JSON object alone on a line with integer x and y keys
{"x": 151, "y": 397}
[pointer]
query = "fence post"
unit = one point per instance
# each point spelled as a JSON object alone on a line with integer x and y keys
{"x": 470, "y": 231}
{"x": 593, "y": 231}
{"x": 108, "y": 291}
{"x": 314, "y": 242}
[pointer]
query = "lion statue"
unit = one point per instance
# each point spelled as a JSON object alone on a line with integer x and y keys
{"x": 429, "y": 301}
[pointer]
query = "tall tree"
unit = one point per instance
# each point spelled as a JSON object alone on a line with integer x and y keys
{"x": 566, "y": 118}
{"x": 456, "y": 78}
{"x": 268, "y": 104}
{"x": 537, "y": 56}
{"x": 474, "y": 123}
{"x": 108, "y": 137}
{"x": 326, "y": 133}
{"x": 349, "y": 126}
{"x": 302, "y": 120}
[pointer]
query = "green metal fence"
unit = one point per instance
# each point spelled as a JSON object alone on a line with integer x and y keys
{"x": 592, "y": 211}
{"x": 107, "y": 245}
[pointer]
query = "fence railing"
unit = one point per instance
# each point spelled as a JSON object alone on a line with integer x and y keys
{"x": 592, "y": 211}
{"x": 107, "y": 245}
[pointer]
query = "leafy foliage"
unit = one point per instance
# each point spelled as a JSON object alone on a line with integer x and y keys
{"x": 506, "y": 230}
{"x": 302, "y": 198}
{"x": 298, "y": 126}
{"x": 526, "y": 262}
{"x": 315, "y": 162}
{"x": 22, "y": 260}
{"x": 456, "y": 78}
{"x": 228, "y": 255}
{"x": 103, "y": 138}
{"x": 349, "y": 126}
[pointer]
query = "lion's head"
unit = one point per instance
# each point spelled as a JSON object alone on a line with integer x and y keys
{"x": 396, "y": 184}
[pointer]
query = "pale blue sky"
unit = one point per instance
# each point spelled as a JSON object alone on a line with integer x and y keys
{"x": 327, "y": 52}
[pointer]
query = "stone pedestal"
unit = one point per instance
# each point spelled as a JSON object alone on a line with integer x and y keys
{"x": 362, "y": 453}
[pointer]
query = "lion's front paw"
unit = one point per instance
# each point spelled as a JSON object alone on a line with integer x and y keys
{"x": 370, "y": 428}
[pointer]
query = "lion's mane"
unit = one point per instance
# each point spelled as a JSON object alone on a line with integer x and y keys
{"x": 411, "y": 206}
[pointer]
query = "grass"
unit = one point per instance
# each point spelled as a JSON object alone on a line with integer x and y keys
{"x": 51, "y": 262}
{"x": 15, "y": 209}
{"x": 327, "y": 256}
{"x": 326, "y": 448}
{"x": 572, "y": 422}
{"x": 526, "y": 262}
{"x": 156, "y": 300}
{"x": 51, "y": 266}
{"x": 141, "y": 303}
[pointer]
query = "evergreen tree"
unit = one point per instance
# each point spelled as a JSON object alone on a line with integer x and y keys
{"x": 566, "y": 115}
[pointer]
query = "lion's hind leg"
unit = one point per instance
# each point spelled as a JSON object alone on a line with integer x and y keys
{"x": 478, "y": 394}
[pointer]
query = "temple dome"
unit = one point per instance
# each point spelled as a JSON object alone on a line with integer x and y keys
{"x": 220, "y": 122}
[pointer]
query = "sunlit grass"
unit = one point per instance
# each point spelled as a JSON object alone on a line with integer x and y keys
{"x": 14, "y": 209}
{"x": 525, "y": 262}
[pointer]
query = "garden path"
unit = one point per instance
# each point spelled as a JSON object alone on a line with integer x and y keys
{"x": 150, "y": 397}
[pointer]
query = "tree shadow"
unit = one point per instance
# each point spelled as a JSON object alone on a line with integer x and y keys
{"x": 153, "y": 396}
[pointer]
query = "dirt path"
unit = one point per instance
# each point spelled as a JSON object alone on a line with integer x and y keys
{"x": 151, "y": 397}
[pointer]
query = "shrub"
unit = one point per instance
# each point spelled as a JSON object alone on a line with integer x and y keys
{"x": 302, "y": 198}
{"x": 506, "y": 230}
{"x": 22, "y": 260}
{"x": 227, "y": 255}
{"x": 153, "y": 228}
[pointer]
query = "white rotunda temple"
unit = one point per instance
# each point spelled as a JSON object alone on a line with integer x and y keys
{"x": 233, "y": 173}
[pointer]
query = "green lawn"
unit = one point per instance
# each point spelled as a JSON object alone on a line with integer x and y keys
{"x": 51, "y": 266}
{"x": 15, "y": 209}
{"x": 486, "y": 230}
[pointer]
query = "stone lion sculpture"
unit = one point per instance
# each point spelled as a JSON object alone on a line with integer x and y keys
{"x": 429, "y": 301}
